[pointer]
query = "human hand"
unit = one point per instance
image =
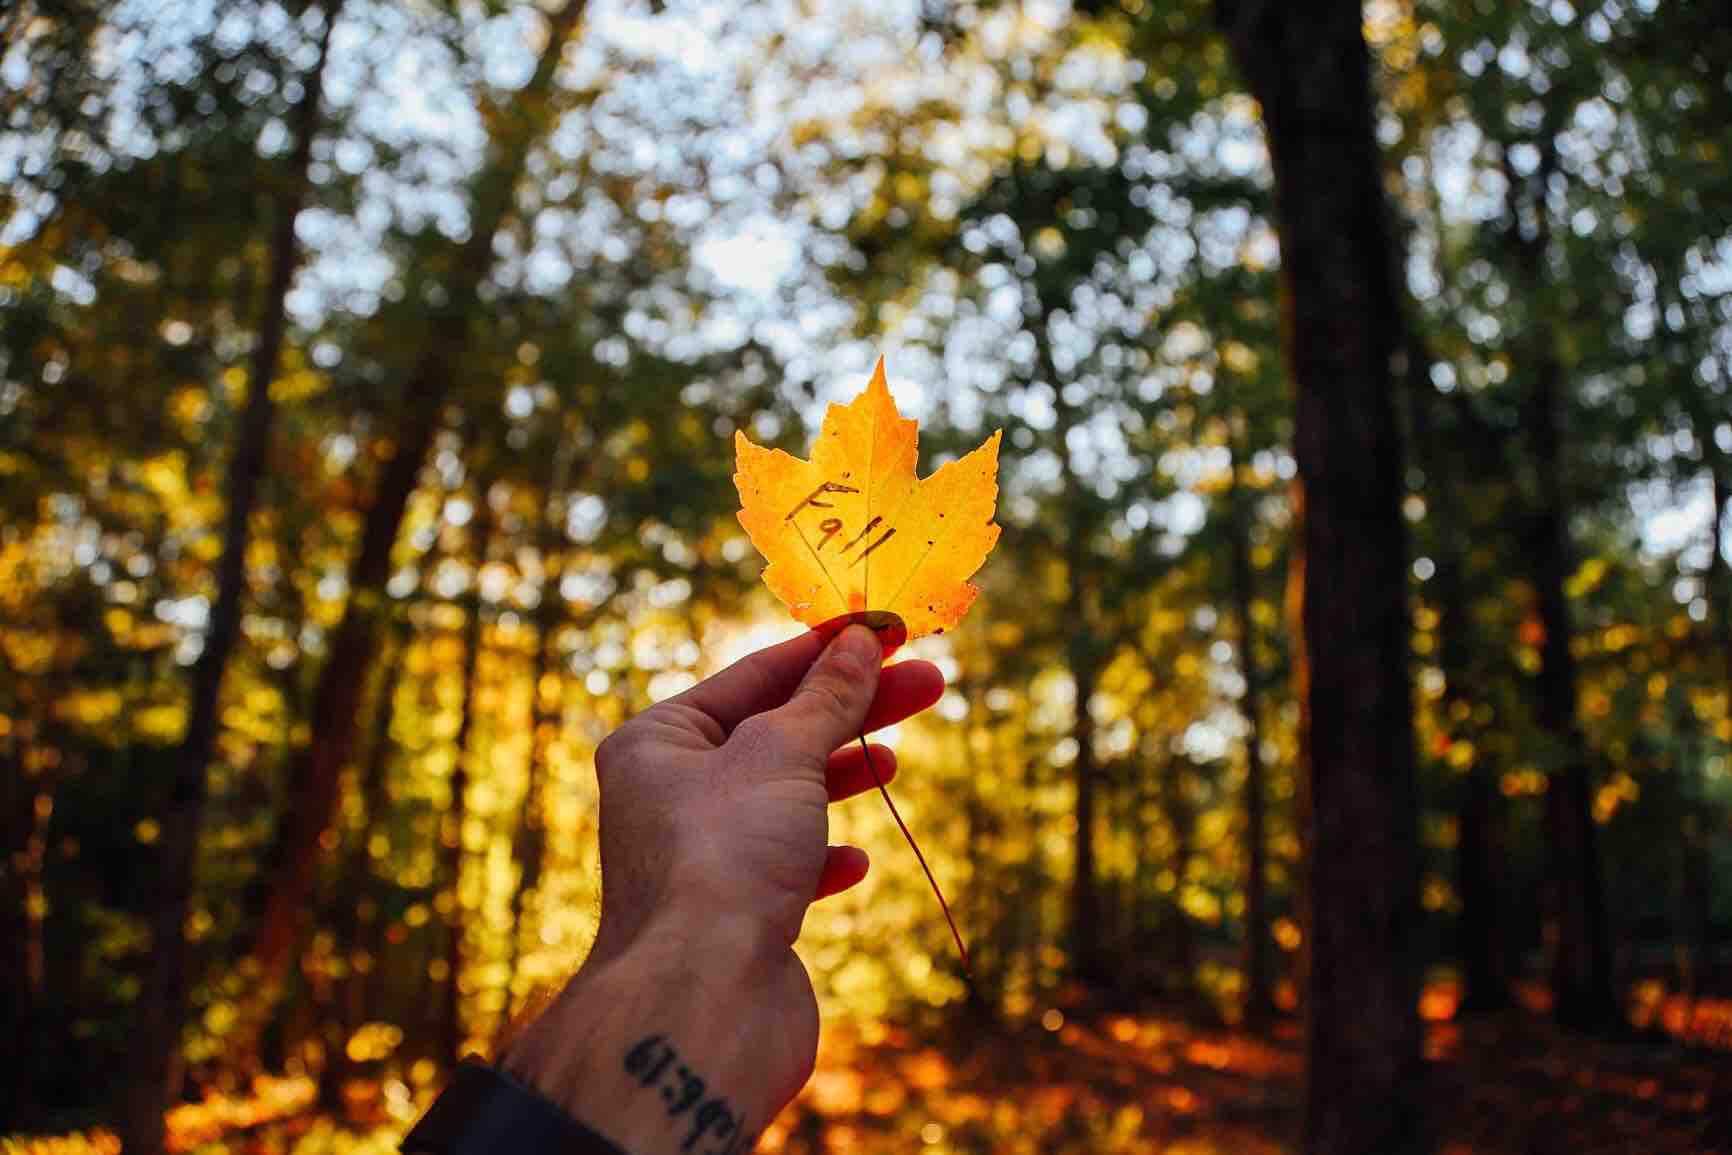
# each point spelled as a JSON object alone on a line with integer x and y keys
{"x": 693, "y": 1022}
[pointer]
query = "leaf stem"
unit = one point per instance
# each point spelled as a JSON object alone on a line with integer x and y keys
{"x": 961, "y": 947}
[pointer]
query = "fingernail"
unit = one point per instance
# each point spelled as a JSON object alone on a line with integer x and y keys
{"x": 858, "y": 643}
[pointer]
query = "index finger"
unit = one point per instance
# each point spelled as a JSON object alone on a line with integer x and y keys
{"x": 766, "y": 679}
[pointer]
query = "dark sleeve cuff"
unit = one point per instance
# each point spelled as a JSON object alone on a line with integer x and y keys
{"x": 487, "y": 1112}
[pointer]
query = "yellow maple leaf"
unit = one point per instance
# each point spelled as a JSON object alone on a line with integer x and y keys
{"x": 854, "y": 529}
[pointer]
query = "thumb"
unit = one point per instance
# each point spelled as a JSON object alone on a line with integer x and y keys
{"x": 830, "y": 706}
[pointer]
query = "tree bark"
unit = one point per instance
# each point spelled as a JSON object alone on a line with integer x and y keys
{"x": 357, "y": 929}
{"x": 1309, "y": 70}
{"x": 1581, "y": 970}
{"x": 451, "y": 829}
{"x": 1176, "y": 809}
{"x": 1720, "y": 567}
{"x": 529, "y": 845}
{"x": 17, "y": 798}
{"x": 1479, "y": 815}
{"x": 1695, "y": 894}
{"x": 1258, "y": 1005}
{"x": 29, "y": 804}
{"x": 162, "y": 1001}
{"x": 311, "y": 797}
{"x": 1581, "y": 964}
{"x": 1088, "y": 963}
{"x": 1717, "y": 575}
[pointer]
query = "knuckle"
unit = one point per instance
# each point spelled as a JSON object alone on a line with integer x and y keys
{"x": 847, "y": 666}
{"x": 615, "y": 749}
{"x": 832, "y": 692}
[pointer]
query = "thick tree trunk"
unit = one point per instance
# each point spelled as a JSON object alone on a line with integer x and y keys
{"x": 311, "y": 796}
{"x": 1258, "y": 1005}
{"x": 1309, "y": 69}
{"x": 162, "y": 1001}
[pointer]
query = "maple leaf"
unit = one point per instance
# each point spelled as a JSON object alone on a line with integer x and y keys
{"x": 854, "y": 529}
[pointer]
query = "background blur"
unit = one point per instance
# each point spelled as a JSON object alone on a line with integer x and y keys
{"x": 368, "y": 376}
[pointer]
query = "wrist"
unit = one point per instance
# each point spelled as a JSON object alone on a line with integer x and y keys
{"x": 651, "y": 1043}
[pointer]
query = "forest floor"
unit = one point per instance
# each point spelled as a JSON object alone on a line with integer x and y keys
{"x": 1121, "y": 1084}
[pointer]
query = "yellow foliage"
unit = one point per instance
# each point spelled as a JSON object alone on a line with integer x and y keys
{"x": 165, "y": 476}
{"x": 89, "y": 707}
{"x": 165, "y": 722}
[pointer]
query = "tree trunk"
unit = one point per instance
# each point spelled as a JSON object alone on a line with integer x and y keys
{"x": 529, "y": 845}
{"x": 1479, "y": 816}
{"x": 1717, "y": 575}
{"x": 29, "y": 805}
{"x": 1695, "y": 894}
{"x": 16, "y": 799}
{"x": 980, "y": 894}
{"x": 1258, "y": 1005}
{"x": 1176, "y": 809}
{"x": 1088, "y": 964}
{"x": 358, "y": 924}
{"x": 1720, "y": 567}
{"x": 451, "y": 829}
{"x": 1581, "y": 968}
{"x": 1309, "y": 69}
{"x": 1480, "y": 926}
{"x": 162, "y": 1001}
{"x": 311, "y": 797}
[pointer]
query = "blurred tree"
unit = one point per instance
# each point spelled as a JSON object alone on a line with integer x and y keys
{"x": 453, "y": 822}
{"x": 529, "y": 843}
{"x": 1258, "y": 1000}
{"x": 1310, "y": 74}
{"x": 358, "y": 923}
{"x": 162, "y": 1003}
{"x": 516, "y": 122}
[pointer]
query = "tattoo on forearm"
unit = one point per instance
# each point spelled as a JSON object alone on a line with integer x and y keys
{"x": 654, "y": 1063}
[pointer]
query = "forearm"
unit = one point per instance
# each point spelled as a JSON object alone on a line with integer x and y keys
{"x": 652, "y": 1047}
